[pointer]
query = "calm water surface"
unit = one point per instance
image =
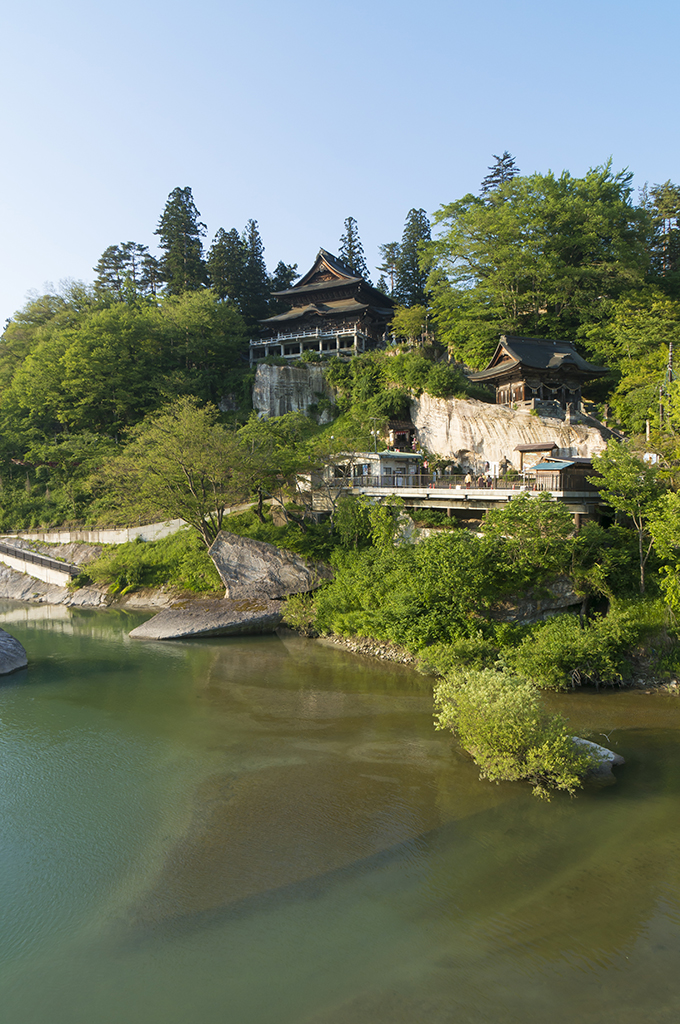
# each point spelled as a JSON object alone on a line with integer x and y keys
{"x": 269, "y": 831}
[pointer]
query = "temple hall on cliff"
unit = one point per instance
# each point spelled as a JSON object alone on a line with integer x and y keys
{"x": 537, "y": 370}
{"x": 332, "y": 312}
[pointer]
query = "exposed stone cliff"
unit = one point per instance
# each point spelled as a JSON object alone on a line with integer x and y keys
{"x": 475, "y": 433}
{"x": 281, "y": 389}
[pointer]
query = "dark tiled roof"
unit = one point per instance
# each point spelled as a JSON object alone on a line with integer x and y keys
{"x": 537, "y": 354}
{"x": 323, "y": 309}
{"x": 542, "y": 447}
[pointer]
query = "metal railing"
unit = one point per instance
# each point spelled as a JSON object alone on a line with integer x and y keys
{"x": 450, "y": 482}
{"x": 316, "y": 332}
{"x": 26, "y": 555}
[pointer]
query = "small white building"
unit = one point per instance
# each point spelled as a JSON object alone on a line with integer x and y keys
{"x": 393, "y": 468}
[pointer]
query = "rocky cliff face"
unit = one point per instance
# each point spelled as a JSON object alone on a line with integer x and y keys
{"x": 252, "y": 567}
{"x": 474, "y": 433}
{"x": 281, "y": 389}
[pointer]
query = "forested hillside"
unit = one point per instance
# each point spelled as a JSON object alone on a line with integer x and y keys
{"x": 544, "y": 254}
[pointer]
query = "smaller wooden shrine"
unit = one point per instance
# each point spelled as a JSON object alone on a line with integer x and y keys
{"x": 539, "y": 370}
{"x": 332, "y": 312}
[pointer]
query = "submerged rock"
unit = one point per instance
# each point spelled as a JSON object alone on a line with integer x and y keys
{"x": 211, "y": 618}
{"x": 605, "y": 759}
{"x": 12, "y": 654}
{"x": 250, "y": 568}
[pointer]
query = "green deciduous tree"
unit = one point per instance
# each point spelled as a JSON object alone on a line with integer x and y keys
{"x": 500, "y": 722}
{"x": 537, "y": 256}
{"x": 180, "y": 232}
{"x": 632, "y": 488}
{"x": 179, "y": 464}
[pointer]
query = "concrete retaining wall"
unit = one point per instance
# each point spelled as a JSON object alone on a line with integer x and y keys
{"x": 152, "y": 531}
{"x": 46, "y": 573}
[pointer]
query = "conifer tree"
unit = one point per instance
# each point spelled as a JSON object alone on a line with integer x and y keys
{"x": 390, "y": 252}
{"x": 351, "y": 251}
{"x": 125, "y": 272}
{"x": 180, "y": 232}
{"x": 502, "y": 170}
{"x": 254, "y": 298}
{"x": 280, "y": 281}
{"x": 410, "y": 282}
{"x": 665, "y": 209}
{"x": 226, "y": 264}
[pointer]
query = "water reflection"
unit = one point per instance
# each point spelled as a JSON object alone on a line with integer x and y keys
{"x": 267, "y": 830}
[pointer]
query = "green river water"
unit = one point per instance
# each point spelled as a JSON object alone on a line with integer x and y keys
{"x": 269, "y": 831}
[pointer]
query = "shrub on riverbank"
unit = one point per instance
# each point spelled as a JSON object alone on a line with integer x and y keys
{"x": 499, "y": 721}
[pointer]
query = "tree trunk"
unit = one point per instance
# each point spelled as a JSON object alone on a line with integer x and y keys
{"x": 642, "y": 564}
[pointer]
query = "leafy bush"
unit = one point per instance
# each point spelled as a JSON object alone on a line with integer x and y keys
{"x": 180, "y": 560}
{"x": 433, "y": 592}
{"x": 562, "y": 652}
{"x": 499, "y": 721}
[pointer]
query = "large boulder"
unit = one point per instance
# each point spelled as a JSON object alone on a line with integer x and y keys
{"x": 604, "y": 759}
{"x": 252, "y": 568}
{"x": 538, "y": 603}
{"x": 211, "y": 618}
{"x": 12, "y": 654}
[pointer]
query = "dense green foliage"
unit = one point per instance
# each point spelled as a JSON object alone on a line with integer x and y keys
{"x": 499, "y": 720}
{"x": 446, "y": 597}
{"x": 536, "y": 255}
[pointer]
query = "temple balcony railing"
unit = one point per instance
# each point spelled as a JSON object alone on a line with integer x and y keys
{"x": 291, "y": 345}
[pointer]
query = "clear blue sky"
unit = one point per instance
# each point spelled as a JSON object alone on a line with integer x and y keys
{"x": 299, "y": 114}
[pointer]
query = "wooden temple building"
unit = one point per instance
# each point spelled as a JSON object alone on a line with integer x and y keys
{"x": 332, "y": 312}
{"x": 537, "y": 370}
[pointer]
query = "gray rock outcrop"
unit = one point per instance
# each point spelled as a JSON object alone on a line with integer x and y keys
{"x": 211, "y": 618}
{"x": 281, "y": 389}
{"x": 604, "y": 759}
{"x": 252, "y": 568}
{"x": 12, "y": 654}
{"x": 537, "y": 604}
{"x": 19, "y": 587}
{"x": 474, "y": 433}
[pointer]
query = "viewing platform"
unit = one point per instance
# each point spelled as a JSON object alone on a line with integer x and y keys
{"x": 326, "y": 342}
{"x": 451, "y": 492}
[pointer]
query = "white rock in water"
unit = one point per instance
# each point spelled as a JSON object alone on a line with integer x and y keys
{"x": 606, "y": 758}
{"x": 12, "y": 654}
{"x": 211, "y": 618}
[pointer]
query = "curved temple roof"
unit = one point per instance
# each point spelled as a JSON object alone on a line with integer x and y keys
{"x": 536, "y": 354}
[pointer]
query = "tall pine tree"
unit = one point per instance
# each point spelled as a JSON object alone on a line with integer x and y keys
{"x": 180, "y": 232}
{"x": 502, "y": 170}
{"x": 254, "y": 296}
{"x": 226, "y": 264}
{"x": 410, "y": 281}
{"x": 390, "y": 264}
{"x": 125, "y": 272}
{"x": 280, "y": 280}
{"x": 351, "y": 250}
